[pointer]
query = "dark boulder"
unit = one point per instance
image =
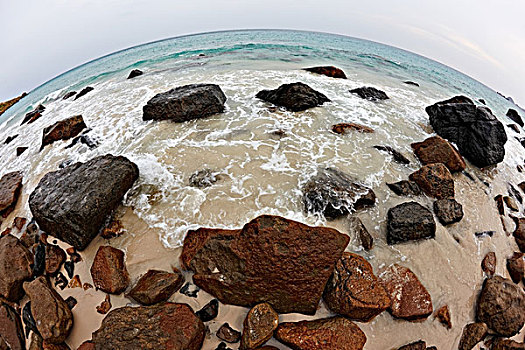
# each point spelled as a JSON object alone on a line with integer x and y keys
{"x": 15, "y": 267}
{"x": 209, "y": 311}
{"x": 10, "y": 138}
{"x": 156, "y": 286}
{"x": 514, "y": 128}
{"x": 63, "y": 130}
{"x": 478, "y": 134}
{"x": 259, "y": 262}
{"x": 258, "y": 326}
{"x": 516, "y": 267}
{"x": 358, "y": 228}
{"x": 405, "y": 188}
{"x": 408, "y": 82}
{"x": 295, "y": 97}
{"x": 34, "y": 114}
{"x": 329, "y": 71}
{"x": 472, "y": 334}
{"x": 83, "y": 92}
{"x": 438, "y": 150}
{"x": 204, "y": 178}
{"x": 398, "y": 156}
{"x": 135, "y": 73}
{"x": 408, "y": 222}
{"x": 448, "y": 211}
{"x": 185, "y": 103}
{"x": 20, "y": 150}
{"x": 10, "y": 186}
{"x": 370, "y": 93}
{"x": 519, "y": 234}
{"x": 435, "y": 180}
{"x": 11, "y": 330}
{"x": 69, "y": 95}
{"x": 514, "y": 116}
{"x": 109, "y": 271}
{"x": 417, "y": 345}
{"x": 74, "y": 203}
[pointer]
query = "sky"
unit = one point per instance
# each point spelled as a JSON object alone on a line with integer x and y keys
{"x": 41, "y": 39}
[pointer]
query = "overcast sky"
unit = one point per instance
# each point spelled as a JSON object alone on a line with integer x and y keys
{"x": 43, "y": 38}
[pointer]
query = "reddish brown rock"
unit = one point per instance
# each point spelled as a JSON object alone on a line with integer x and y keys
{"x": 488, "y": 265}
{"x": 55, "y": 257}
{"x": 10, "y": 185}
{"x": 228, "y": 334}
{"x": 410, "y": 299}
{"x": 435, "y": 180}
{"x": 63, "y": 130}
{"x": 506, "y": 344}
{"x": 354, "y": 291}
{"x": 336, "y": 333}
{"x": 51, "y": 346}
{"x": 75, "y": 282}
{"x": 167, "y": 326}
{"x": 87, "y": 345}
{"x": 472, "y": 334}
{"x": 405, "y": 188}
{"x": 448, "y": 211}
{"x": 53, "y": 317}
{"x": 15, "y": 267}
{"x": 114, "y": 229}
{"x": 19, "y": 223}
{"x": 259, "y": 263}
{"x": 343, "y": 128}
{"x": 156, "y": 286}
{"x": 443, "y": 315}
{"x": 105, "y": 306}
{"x": 417, "y": 345}
{"x": 329, "y": 71}
{"x": 500, "y": 205}
{"x": 357, "y": 226}
{"x": 519, "y": 234}
{"x": 258, "y": 327}
{"x": 516, "y": 267}
{"x": 438, "y": 150}
{"x": 109, "y": 271}
{"x": 511, "y": 203}
{"x": 11, "y": 331}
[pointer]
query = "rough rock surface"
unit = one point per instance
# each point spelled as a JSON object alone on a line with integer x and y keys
{"x": 417, "y": 345}
{"x": 516, "y": 267}
{"x": 156, "y": 286}
{"x": 448, "y": 211}
{"x": 343, "y": 128}
{"x": 259, "y": 325}
{"x": 488, "y": 264}
{"x": 53, "y": 317}
{"x": 185, "y": 103}
{"x": 398, "y": 156}
{"x": 336, "y": 333}
{"x": 295, "y": 97}
{"x": 435, "y": 180}
{"x": 357, "y": 226}
{"x": 63, "y": 130}
{"x": 514, "y": 116}
{"x": 409, "y": 221}
{"x": 410, "y": 299}
{"x": 15, "y": 267}
{"x": 204, "y": 178}
{"x": 519, "y": 234}
{"x": 329, "y": 71}
{"x": 408, "y": 82}
{"x": 10, "y": 185}
{"x": 209, "y": 311}
{"x": 438, "y": 150}
{"x": 259, "y": 262}
{"x": 405, "y": 188}
{"x": 109, "y": 271}
{"x": 472, "y": 334}
{"x": 334, "y": 193}
{"x": 135, "y": 73}
{"x": 69, "y": 95}
{"x": 370, "y": 93}
{"x": 74, "y": 203}
{"x": 34, "y": 114}
{"x": 167, "y": 326}
{"x": 55, "y": 257}
{"x": 228, "y": 334}
{"x": 478, "y": 134}
{"x": 83, "y": 92}
{"x": 11, "y": 331}
{"x": 506, "y": 344}
{"x": 501, "y": 305}
{"x": 443, "y": 315}
{"x": 354, "y": 291}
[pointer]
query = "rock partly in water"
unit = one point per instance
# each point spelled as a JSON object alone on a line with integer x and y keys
{"x": 9, "y": 139}
{"x": 83, "y": 92}
{"x": 204, "y": 178}
{"x": 135, "y": 73}
{"x": 185, "y": 103}
{"x": 516, "y": 267}
{"x": 228, "y": 334}
{"x": 370, "y": 93}
{"x": 208, "y": 311}
{"x": 511, "y": 203}
{"x": 359, "y": 229}
{"x": 69, "y": 95}
{"x": 343, "y": 128}
{"x": 156, "y": 286}
{"x": 55, "y": 257}
{"x": 448, "y": 211}
{"x": 435, "y": 180}
{"x": 15, "y": 267}
{"x": 259, "y": 325}
{"x": 515, "y": 117}
{"x": 438, "y": 150}
{"x": 20, "y": 150}
{"x": 405, "y": 188}
{"x": 295, "y": 97}
{"x": 333, "y": 193}
{"x": 259, "y": 262}
{"x": 34, "y": 114}
{"x": 478, "y": 134}
{"x": 443, "y": 315}
{"x": 519, "y": 234}
{"x": 398, "y": 156}
{"x": 506, "y": 344}
{"x": 488, "y": 264}
{"x": 74, "y": 203}
{"x": 109, "y": 271}
{"x": 409, "y": 221}
{"x": 63, "y": 130}
{"x": 514, "y": 128}
{"x": 473, "y": 333}
{"x": 329, "y": 71}
{"x": 10, "y": 186}
{"x": 408, "y": 82}
{"x": 11, "y": 330}
{"x": 167, "y": 326}
{"x": 354, "y": 291}
{"x": 105, "y": 305}
{"x": 336, "y": 333}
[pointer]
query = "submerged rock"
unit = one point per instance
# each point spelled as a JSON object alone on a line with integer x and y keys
{"x": 342, "y": 128}
{"x": 438, "y": 150}
{"x": 334, "y": 194}
{"x": 405, "y": 188}
{"x": 10, "y": 186}
{"x": 448, "y": 211}
{"x": 34, "y": 114}
{"x": 259, "y": 325}
{"x": 409, "y": 221}
{"x": 74, "y": 203}
{"x": 478, "y": 134}
{"x": 259, "y": 262}
{"x": 398, "y": 156}
{"x": 83, "y": 92}
{"x": 329, "y": 71}
{"x": 295, "y": 97}
{"x": 156, "y": 286}
{"x": 135, "y": 73}
{"x": 472, "y": 334}
{"x": 109, "y": 271}
{"x": 11, "y": 330}
{"x": 185, "y": 103}
{"x": 204, "y": 178}
{"x": 370, "y": 93}
{"x": 15, "y": 267}
{"x": 435, "y": 180}
{"x": 63, "y": 130}
{"x": 515, "y": 117}
{"x": 443, "y": 315}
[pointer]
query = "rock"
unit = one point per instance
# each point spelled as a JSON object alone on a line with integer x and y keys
{"x": 514, "y": 127}
{"x": 10, "y": 186}
{"x": 334, "y": 194}
{"x": 405, "y": 188}
{"x": 55, "y": 257}
{"x": 506, "y": 344}
{"x": 228, "y": 334}
{"x": 83, "y": 92}
{"x": 69, "y": 266}
{"x": 448, "y": 211}
{"x": 473, "y": 333}
{"x": 443, "y": 315}
{"x": 87, "y": 345}
{"x": 208, "y": 311}
{"x": 410, "y": 299}
{"x": 482, "y": 101}
{"x": 329, "y": 71}
{"x": 74, "y": 203}
{"x": 105, "y": 306}
{"x": 435, "y": 180}
{"x": 411, "y": 83}
{"x": 370, "y": 93}
{"x": 63, "y": 130}
{"x": 62, "y": 346}
{"x": 69, "y": 95}
{"x": 29, "y": 320}
{"x": 19, "y": 223}
{"x": 398, "y": 156}
{"x": 34, "y": 114}
{"x": 514, "y": 193}
{"x": 53, "y": 317}
{"x": 61, "y": 281}
{"x": 354, "y": 291}
{"x": 258, "y": 263}
{"x": 438, "y": 150}
{"x": 4, "y": 106}
{"x": 71, "y": 302}
{"x": 488, "y": 265}
{"x": 75, "y": 282}
{"x": 156, "y": 286}
{"x": 501, "y": 305}
{"x": 515, "y": 117}
{"x": 222, "y": 346}
{"x": 519, "y": 234}
{"x": 516, "y": 267}
{"x": 167, "y": 326}
{"x": 258, "y": 327}
{"x": 417, "y": 345}
{"x": 185, "y": 103}
{"x": 478, "y": 134}
{"x": 356, "y": 226}
{"x": 10, "y": 138}
{"x": 342, "y": 128}
{"x": 190, "y": 290}
{"x": 20, "y": 150}
{"x": 203, "y": 178}
{"x": 409, "y": 221}
{"x": 11, "y": 331}
{"x": 15, "y": 267}
{"x": 39, "y": 262}
{"x": 499, "y": 203}
{"x": 109, "y": 271}
{"x": 511, "y": 203}
{"x": 135, "y": 73}
{"x": 295, "y": 97}
{"x": 336, "y": 333}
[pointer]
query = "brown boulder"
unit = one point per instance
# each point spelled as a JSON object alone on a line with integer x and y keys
{"x": 417, "y": 345}
{"x": 506, "y": 344}
{"x": 156, "y": 286}
{"x": 10, "y": 185}
{"x": 336, "y": 333}
{"x": 258, "y": 327}
{"x": 473, "y": 333}
{"x": 448, "y": 211}
{"x": 435, "y": 180}
{"x": 511, "y": 203}
{"x": 438, "y": 150}
{"x": 259, "y": 263}
{"x": 410, "y": 299}
{"x": 329, "y": 71}
{"x": 500, "y": 204}
{"x": 55, "y": 257}
{"x": 53, "y": 317}
{"x": 87, "y": 345}
{"x": 354, "y": 291}
{"x": 342, "y": 128}
{"x": 488, "y": 265}
{"x": 443, "y": 315}
{"x": 63, "y": 130}
{"x": 15, "y": 267}
{"x": 162, "y": 326}
{"x": 516, "y": 267}
{"x": 228, "y": 334}
{"x": 109, "y": 271}
{"x": 11, "y": 331}
{"x": 519, "y": 234}
{"x": 357, "y": 226}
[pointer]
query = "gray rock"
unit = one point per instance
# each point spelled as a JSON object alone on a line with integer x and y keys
{"x": 409, "y": 221}
{"x": 295, "y": 97}
{"x": 448, "y": 211}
